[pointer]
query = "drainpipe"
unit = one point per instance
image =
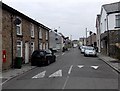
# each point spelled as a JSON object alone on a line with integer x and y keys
{"x": 12, "y": 65}
{"x": 108, "y": 37}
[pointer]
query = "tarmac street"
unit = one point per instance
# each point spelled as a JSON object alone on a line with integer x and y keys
{"x": 70, "y": 71}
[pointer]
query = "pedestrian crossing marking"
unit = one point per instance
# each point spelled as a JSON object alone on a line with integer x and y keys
{"x": 40, "y": 75}
{"x": 57, "y": 74}
{"x": 95, "y": 67}
{"x": 80, "y": 66}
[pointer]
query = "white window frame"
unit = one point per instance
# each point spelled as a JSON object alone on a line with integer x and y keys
{"x": 40, "y": 45}
{"x": 20, "y": 31}
{"x": 32, "y": 30}
{"x": 21, "y": 48}
{"x": 46, "y": 35}
{"x": 32, "y": 47}
{"x": 40, "y": 33}
{"x": 46, "y": 45}
{"x": 117, "y": 18}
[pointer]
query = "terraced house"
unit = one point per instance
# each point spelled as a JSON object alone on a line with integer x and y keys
{"x": 21, "y": 35}
{"x": 108, "y": 30}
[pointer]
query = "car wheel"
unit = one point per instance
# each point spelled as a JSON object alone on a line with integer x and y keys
{"x": 48, "y": 62}
{"x": 85, "y": 55}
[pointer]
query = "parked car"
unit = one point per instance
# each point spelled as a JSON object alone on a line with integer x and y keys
{"x": 42, "y": 57}
{"x": 82, "y": 48}
{"x": 90, "y": 51}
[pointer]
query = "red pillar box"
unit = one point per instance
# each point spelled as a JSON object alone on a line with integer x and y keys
{"x": 4, "y": 56}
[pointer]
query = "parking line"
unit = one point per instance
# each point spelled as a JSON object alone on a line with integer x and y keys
{"x": 65, "y": 82}
{"x": 63, "y": 54}
{"x": 70, "y": 69}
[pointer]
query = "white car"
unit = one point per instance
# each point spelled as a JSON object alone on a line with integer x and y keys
{"x": 82, "y": 48}
{"x": 90, "y": 51}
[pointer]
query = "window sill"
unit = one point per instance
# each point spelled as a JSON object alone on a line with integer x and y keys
{"x": 19, "y": 35}
{"x": 32, "y": 37}
{"x": 117, "y": 27}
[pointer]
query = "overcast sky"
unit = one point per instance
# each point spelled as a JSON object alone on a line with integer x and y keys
{"x": 70, "y": 17}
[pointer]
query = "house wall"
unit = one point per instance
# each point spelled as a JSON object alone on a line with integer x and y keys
{"x": 112, "y": 21}
{"x": 98, "y": 33}
{"x": 8, "y": 27}
{"x": 6, "y": 38}
{"x": 91, "y": 40}
{"x": 52, "y": 41}
{"x": 55, "y": 40}
{"x": 10, "y": 36}
{"x": 103, "y": 21}
{"x": 114, "y": 40}
{"x": 45, "y": 42}
{"x": 0, "y": 38}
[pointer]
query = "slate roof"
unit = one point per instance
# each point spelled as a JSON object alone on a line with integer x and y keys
{"x": 15, "y": 12}
{"x": 112, "y": 8}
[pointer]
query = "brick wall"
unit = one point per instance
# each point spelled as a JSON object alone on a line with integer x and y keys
{"x": 6, "y": 37}
{"x": 8, "y": 27}
{"x": 9, "y": 33}
{"x": 91, "y": 39}
{"x": 114, "y": 39}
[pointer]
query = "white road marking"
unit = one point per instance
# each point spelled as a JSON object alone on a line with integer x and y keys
{"x": 80, "y": 66}
{"x": 57, "y": 55}
{"x": 63, "y": 54}
{"x": 70, "y": 69}
{"x": 40, "y": 75}
{"x": 65, "y": 82}
{"x": 95, "y": 67}
{"x": 57, "y": 74}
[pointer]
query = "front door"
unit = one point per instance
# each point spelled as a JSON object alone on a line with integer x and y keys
{"x": 26, "y": 52}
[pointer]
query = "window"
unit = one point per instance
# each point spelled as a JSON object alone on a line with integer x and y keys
{"x": 32, "y": 30}
{"x": 40, "y": 45}
{"x": 19, "y": 48}
{"x": 46, "y": 35}
{"x": 118, "y": 21}
{"x": 32, "y": 47}
{"x": 46, "y": 45}
{"x": 43, "y": 46}
{"x": 19, "y": 29}
{"x": 40, "y": 34}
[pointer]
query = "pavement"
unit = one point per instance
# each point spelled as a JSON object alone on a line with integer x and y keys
{"x": 112, "y": 62}
{"x": 12, "y": 73}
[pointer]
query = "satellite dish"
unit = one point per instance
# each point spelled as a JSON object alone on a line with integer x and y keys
{"x": 17, "y": 21}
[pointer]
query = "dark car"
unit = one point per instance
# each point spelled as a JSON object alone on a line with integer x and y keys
{"x": 42, "y": 57}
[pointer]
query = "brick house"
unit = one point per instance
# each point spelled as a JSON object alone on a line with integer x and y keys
{"x": 21, "y": 35}
{"x": 91, "y": 40}
{"x": 109, "y": 29}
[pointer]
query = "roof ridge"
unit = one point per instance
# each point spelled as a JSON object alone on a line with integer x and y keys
{"x": 111, "y": 3}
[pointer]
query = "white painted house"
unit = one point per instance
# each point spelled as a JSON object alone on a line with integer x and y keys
{"x": 107, "y": 25}
{"x": 110, "y": 17}
{"x": 109, "y": 20}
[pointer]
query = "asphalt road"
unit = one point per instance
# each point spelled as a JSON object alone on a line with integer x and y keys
{"x": 71, "y": 71}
